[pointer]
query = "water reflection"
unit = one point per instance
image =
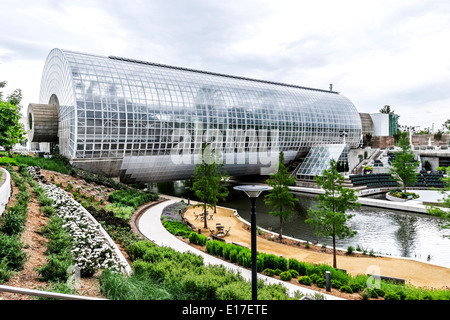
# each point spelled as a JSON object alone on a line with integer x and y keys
{"x": 384, "y": 231}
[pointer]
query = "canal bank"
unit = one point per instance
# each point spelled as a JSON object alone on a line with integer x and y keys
{"x": 416, "y": 205}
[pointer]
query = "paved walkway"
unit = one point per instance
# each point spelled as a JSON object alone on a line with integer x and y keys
{"x": 151, "y": 227}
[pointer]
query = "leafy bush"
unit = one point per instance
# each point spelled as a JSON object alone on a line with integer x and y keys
{"x": 294, "y": 273}
{"x": 238, "y": 290}
{"x": 177, "y": 228}
{"x": 321, "y": 282}
{"x": 281, "y": 263}
{"x": 391, "y": 296}
{"x": 52, "y": 164}
{"x": 131, "y": 197}
{"x": 306, "y": 280}
{"x": 7, "y": 161}
{"x": 13, "y": 221}
{"x": 356, "y": 287}
{"x": 335, "y": 283}
{"x": 286, "y": 276}
{"x": 196, "y": 238}
{"x": 269, "y": 272}
{"x": 5, "y": 272}
{"x": 11, "y": 253}
{"x": 346, "y": 289}
{"x": 56, "y": 268}
{"x": 137, "y": 249}
{"x": 314, "y": 277}
{"x": 120, "y": 211}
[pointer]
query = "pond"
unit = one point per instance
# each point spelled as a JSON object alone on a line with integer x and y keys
{"x": 387, "y": 232}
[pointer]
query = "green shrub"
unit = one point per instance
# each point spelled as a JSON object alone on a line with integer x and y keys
{"x": 356, "y": 287}
{"x": 196, "y": 238}
{"x": 177, "y": 228}
{"x": 244, "y": 258}
{"x": 44, "y": 201}
{"x": 346, "y": 289}
{"x": 137, "y": 249}
{"x": 321, "y": 282}
{"x": 8, "y": 161}
{"x": 281, "y": 263}
{"x": 269, "y": 272}
{"x": 335, "y": 283}
{"x": 372, "y": 293}
{"x": 269, "y": 260}
{"x": 350, "y": 250}
{"x": 48, "y": 211}
{"x": 294, "y": 273}
{"x": 119, "y": 210}
{"x": 56, "y": 268}
{"x": 314, "y": 277}
{"x": 286, "y": 276}
{"x": 294, "y": 264}
{"x": 131, "y": 197}
{"x": 5, "y": 273}
{"x": 391, "y": 296}
{"x": 11, "y": 253}
{"x": 13, "y": 221}
{"x": 52, "y": 164}
{"x": 238, "y": 290}
{"x": 233, "y": 255}
{"x": 306, "y": 280}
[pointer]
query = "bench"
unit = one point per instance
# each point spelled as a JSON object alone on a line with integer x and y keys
{"x": 240, "y": 245}
{"x": 217, "y": 238}
{"x": 389, "y": 279}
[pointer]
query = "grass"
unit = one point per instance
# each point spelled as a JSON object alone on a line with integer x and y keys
{"x": 45, "y": 163}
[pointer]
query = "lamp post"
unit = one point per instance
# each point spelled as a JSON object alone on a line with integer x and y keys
{"x": 253, "y": 191}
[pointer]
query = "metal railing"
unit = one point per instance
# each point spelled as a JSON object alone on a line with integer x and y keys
{"x": 46, "y": 294}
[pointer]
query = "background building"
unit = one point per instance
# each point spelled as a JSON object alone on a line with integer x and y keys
{"x": 146, "y": 122}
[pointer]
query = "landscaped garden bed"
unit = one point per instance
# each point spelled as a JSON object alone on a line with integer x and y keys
{"x": 401, "y": 196}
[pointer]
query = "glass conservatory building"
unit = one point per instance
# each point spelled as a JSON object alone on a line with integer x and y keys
{"x": 147, "y": 122}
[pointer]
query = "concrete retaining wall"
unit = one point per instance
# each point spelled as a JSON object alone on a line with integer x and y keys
{"x": 5, "y": 189}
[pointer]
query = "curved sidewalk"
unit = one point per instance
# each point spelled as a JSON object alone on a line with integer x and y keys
{"x": 151, "y": 227}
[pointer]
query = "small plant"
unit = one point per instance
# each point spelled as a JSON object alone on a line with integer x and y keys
{"x": 321, "y": 282}
{"x": 294, "y": 273}
{"x": 269, "y": 272}
{"x": 346, "y": 289}
{"x": 350, "y": 250}
{"x": 286, "y": 276}
{"x": 305, "y": 280}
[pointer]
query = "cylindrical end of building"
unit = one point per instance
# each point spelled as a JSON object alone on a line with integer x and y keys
{"x": 42, "y": 123}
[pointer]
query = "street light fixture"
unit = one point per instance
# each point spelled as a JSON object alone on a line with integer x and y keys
{"x": 253, "y": 191}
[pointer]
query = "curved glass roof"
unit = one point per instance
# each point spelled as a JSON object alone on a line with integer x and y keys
{"x": 111, "y": 107}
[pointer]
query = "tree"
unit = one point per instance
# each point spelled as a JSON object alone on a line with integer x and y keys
{"x": 443, "y": 210}
{"x": 446, "y": 125}
{"x": 386, "y": 109}
{"x": 329, "y": 218}
{"x": 208, "y": 178}
{"x": 280, "y": 199}
{"x": 403, "y": 166}
{"x": 11, "y": 130}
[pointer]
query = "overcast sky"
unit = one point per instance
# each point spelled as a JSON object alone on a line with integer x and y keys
{"x": 375, "y": 53}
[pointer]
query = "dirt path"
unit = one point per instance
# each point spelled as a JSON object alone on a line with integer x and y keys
{"x": 414, "y": 272}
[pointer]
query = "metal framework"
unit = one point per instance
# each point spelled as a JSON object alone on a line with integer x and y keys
{"x": 137, "y": 113}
